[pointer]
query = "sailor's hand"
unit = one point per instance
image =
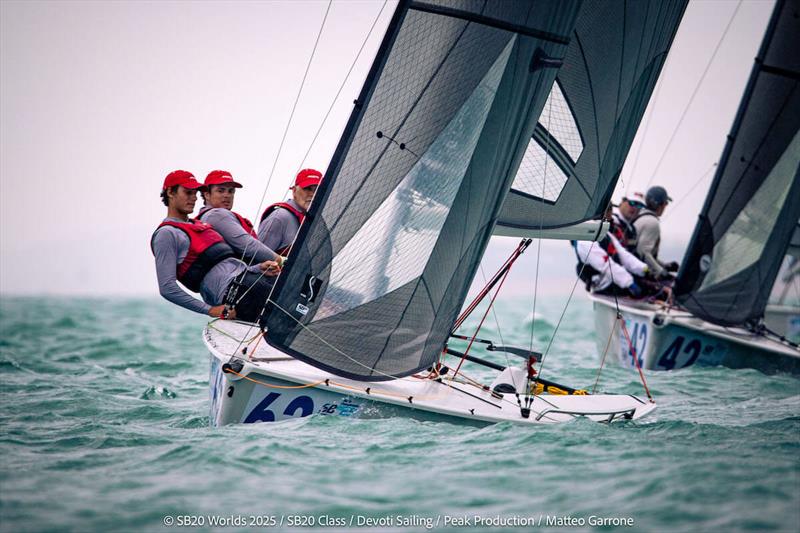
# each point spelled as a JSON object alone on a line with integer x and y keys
{"x": 219, "y": 311}
{"x": 270, "y": 268}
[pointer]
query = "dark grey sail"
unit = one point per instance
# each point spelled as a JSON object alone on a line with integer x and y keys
{"x": 381, "y": 267}
{"x": 588, "y": 123}
{"x": 753, "y": 205}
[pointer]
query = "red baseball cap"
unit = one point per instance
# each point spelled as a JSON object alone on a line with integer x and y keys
{"x": 181, "y": 177}
{"x": 218, "y": 177}
{"x": 308, "y": 177}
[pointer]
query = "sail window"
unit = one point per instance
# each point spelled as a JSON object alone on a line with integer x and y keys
{"x": 539, "y": 175}
{"x": 410, "y": 219}
{"x": 558, "y": 119}
{"x": 744, "y": 242}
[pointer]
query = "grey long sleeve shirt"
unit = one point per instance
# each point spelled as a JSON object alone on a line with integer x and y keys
{"x": 648, "y": 232}
{"x": 170, "y": 247}
{"x": 278, "y": 230}
{"x": 245, "y": 245}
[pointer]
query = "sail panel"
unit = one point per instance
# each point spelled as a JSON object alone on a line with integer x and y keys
{"x": 752, "y": 208}
{"x": 610, "y": 69}
{"x": 383, "y": 262}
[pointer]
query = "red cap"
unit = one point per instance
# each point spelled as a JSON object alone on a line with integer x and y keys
{"x": 308, "y": 177}
{"x": 181, "y": 177}
{"x": 218, "y": 177}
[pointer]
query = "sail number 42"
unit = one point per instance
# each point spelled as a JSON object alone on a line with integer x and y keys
{"x": 669, "y": 358}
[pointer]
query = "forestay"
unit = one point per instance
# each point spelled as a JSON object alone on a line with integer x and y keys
{"x": 752, "y": 209}
{"x": 380, "y": 269}
{"x": 585, "y": 130}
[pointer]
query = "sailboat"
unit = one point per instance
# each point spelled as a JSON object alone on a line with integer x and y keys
{"x": 748, "y": 224}
{"x": 476, "y": 118}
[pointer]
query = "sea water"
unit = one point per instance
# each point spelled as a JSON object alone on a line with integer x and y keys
{"x": 104, "y": 427}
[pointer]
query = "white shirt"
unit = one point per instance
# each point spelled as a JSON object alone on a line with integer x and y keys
{"x": 610, "y": 271}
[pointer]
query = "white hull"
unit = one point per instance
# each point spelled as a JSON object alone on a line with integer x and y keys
{"x": 671, "y": 339}
{"x": 272, "y": 386}
{"x": 784, "y": 320}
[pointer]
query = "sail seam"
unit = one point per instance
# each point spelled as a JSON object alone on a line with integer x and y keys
{"x": 489, "y": 21}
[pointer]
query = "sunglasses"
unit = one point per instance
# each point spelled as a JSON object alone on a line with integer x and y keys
{"x": 634, "y": 203}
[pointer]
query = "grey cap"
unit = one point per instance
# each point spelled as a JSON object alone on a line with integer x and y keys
{"x": 656, "y": 196}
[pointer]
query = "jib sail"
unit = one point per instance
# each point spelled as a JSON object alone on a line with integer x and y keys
{"x": 588, "y": 123}
{"x": 383, "y": 263}
{"x": 752, "y": 209}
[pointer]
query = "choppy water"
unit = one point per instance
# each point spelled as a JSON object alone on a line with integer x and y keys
{"x": 103, "y": 428}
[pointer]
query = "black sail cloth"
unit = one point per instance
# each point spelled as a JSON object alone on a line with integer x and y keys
{"x": 383, "y": 263}
{"x": 753, "y": 205}
{"x": 586, "y": 128}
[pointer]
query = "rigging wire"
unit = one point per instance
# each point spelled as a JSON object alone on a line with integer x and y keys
{"x": 322, "y": 124}
{"x": 697, "y": 183}
{"x": 240, "y": 278}
{"x": 539, "y": 245}
{"x": 646, "y": 128}
{"x": 561, "y": 318}
{"x": 694, "y": 94}
{"x": 294, "y": 107}
{"x": 341, "y": 87}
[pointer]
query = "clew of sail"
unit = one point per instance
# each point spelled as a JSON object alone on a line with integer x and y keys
{"x": 384, "y": 260}
{"x": 588, "y": 123}
{"x": 752, "y": 209}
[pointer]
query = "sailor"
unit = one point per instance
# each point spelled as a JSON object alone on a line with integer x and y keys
{"x": 608, "y": 268}
{"x": 280, "y": 222}
{"x": 648, "y": 231}
{"x": 191, "y": 252}
{"x": 218, "y": 195}
{"x": 622, "y": 220}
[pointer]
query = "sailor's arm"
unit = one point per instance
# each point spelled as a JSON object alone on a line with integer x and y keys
{"x": 631, "y": 263}
{"x": 244, "y": 244}
{"x": 165, "y": 249}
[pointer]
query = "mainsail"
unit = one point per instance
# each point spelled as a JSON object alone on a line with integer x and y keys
{"x": 588, "y": 123}
{"x": 383, "y": 262}
{"x": 753, "y": 206}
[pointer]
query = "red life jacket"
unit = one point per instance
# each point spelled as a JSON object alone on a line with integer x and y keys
{"x": 289, "y": 207}
{"x": 206, "y": 249}
{"x": 246, "y": 224}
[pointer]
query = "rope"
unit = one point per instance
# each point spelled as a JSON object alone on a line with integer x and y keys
{"x": 628, "y": 338}
{"x": 369, "y": 390}
{"x": 635, "y": 356}
{"x": 694, "y": 93}
{"x": 603, "y": 360}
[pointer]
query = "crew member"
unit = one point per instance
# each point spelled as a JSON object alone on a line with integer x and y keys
{"x": 648, "y": 231}
{"x": 218, "y": 195}
{"x": 280, "y": 222}
{"x": 622, "y": 221}
{"x": 191, "y": 252}
{"x": 608, "y": 268}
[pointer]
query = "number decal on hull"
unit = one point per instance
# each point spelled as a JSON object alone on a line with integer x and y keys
{"x": 261, "y": 413}
{"x": 669, "y": 358}
{"x": 638, "y": 343}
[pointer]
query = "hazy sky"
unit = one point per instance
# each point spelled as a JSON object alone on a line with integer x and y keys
{"x": 99, "y": 100}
